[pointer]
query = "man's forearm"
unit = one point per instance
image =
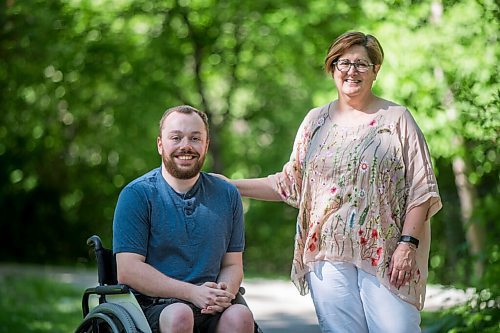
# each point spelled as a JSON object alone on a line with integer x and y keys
{"x": 148, "y": 281}
{"x": 232, "y": 275}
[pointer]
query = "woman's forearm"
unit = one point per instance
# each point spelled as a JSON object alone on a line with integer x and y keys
{"x": 415, "y": 219}
{"x": 257, "y": 188}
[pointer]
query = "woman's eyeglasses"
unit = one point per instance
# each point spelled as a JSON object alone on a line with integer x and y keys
{"x": 345, "y": 65}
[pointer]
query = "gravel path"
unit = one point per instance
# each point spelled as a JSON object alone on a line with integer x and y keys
{"x": 276, "y": 304}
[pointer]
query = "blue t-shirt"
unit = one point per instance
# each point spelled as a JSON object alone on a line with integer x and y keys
{"x": 184, "y": 236}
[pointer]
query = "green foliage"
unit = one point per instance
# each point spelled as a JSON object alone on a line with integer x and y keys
{"x": 442, "y": 63}
{"x": 84, "y": 84}
{"x": 270, "y": 236}
{"x": 480, "y": 314}
{"x": 34, "y": 305}
{"x": 82, "y": 112}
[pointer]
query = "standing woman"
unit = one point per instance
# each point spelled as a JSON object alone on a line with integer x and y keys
{"x": 361, "y": 176}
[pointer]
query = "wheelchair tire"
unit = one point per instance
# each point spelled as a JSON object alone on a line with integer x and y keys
{"x": 115, "y": 318}
{"x": 98, "y": 323}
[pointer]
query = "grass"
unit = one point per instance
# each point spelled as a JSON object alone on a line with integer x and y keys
{"x": 35, "y": 305}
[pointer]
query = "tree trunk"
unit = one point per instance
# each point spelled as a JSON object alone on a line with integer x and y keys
{"x": 215, "y": 147}
{"x": 474, "y": 231}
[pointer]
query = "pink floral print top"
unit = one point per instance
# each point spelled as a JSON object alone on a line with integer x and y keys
{"x": 353, "y": 187}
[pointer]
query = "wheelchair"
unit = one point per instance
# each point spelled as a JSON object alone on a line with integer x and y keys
{"x": 118, "y": 310}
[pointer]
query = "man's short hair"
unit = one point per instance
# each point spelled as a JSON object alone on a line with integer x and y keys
{"x": 187, "y": 109}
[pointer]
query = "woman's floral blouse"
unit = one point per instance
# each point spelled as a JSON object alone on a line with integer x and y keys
{"x": 353, "y": 187}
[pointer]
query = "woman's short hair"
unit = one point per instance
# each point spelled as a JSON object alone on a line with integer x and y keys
{"x": 349, "y": 39}
{"x": 184, "y": 109}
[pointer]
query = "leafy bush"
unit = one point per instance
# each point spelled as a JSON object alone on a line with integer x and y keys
{"x": 480, "y": 314}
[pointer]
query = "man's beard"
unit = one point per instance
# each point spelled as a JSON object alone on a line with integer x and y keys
{"x": 180, "y": 172}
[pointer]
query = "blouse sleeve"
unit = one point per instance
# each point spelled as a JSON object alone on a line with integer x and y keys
{"x": 421, "y": 184}
{"x": 288, "y": 182}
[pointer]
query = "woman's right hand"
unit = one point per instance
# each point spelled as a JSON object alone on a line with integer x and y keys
{"x": 218, "y": 175}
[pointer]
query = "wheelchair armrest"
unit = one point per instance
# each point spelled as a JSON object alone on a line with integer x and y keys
{"x": 239, "y": 297}
{"x": 102, "y": 291}
{"x": 112, "y": 289}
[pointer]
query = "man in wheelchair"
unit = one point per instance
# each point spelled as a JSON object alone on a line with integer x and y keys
{"x": 178, "y": 236}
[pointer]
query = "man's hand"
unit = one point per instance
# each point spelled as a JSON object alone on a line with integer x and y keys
{"x": 222, "y": 301}
{"x": 403, "y": 265}
{"x": 211, "y": 297}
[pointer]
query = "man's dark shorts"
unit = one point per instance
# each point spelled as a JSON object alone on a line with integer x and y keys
{"x": 152, "y": 307}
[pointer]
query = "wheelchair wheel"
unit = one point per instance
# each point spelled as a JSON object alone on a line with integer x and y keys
{"x": 107, "y": 318}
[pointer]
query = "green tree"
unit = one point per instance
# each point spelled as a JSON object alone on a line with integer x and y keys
{"x": 448, "y": 79}
{"x": 84, "y": 82}
{"x": 85, "y": 86}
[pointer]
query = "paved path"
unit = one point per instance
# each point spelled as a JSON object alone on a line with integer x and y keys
{"x": 279, "y": 308}
{"x": 276, "y": 304}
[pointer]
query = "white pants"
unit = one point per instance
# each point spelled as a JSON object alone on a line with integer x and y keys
{"x": 349, "y": 300}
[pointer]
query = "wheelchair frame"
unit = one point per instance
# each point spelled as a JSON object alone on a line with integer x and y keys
{"x": 118, "y": 310}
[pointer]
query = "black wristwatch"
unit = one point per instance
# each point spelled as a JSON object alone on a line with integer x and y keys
{"x": 409, "y": 239}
